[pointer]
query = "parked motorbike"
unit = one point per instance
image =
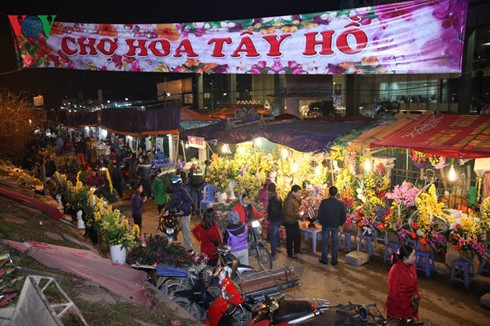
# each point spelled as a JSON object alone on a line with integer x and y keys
{"x": 227, "y": 259}
{"x": 231, "y": 309}
{"x": 257, "y": 247}
{"x": 169, "y": 224}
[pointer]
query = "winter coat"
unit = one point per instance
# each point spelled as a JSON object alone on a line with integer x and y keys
{"x": 246, "y": 213}
{"x": 210, "y": 240}
{"x": 236, "y": 236}
{"x": 137, "y": 203}
{"x": 402, "y": 286}
{"x": 196, "y": 177}
{"x": 331, "y": 213}
{"x": 274, "y": 210}
{"x": 160, "y": 191}
{"x": 263, "y": 197}
{"x": 291, "y": 209}
{"x": 180, "y": 200}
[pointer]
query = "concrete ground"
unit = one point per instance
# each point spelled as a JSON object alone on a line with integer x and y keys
{"x": 441, "y": 304}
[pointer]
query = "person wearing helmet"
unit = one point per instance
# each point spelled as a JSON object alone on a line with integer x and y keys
{"x": 182, "y": 201}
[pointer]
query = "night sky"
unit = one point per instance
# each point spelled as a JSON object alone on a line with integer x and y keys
{"x": 54, "y": 84}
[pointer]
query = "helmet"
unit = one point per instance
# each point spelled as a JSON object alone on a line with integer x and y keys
{"x": 176, "y": 180}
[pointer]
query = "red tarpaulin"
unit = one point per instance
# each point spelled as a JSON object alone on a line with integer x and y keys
{"x": 188, "y": 114}
{"x": 121, "y": 279}
{"x": 454, "y": 136}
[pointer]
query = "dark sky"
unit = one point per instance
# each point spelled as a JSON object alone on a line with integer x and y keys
{"x": 55, "y": 83}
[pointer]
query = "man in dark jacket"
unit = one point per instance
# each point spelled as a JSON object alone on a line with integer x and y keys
{"x": 291, "y": 221}
{"x": 274, "y": 215}
{"x": 331, "y": 215}
{"x": 196, "y": 181}
{"x": 181, "y": 200}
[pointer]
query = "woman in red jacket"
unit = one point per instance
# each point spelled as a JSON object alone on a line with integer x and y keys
{"x": 403, "y": 285}
{"x": 208, "y": 234}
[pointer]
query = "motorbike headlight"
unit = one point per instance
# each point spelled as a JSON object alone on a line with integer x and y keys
{"x": 170, "y": 231}
{"x": 255, "y": 224}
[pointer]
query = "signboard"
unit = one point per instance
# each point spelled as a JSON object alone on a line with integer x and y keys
{"x": 196, "y": 142}
{"x": 408, "y": 37}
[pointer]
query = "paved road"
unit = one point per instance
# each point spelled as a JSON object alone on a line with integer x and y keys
{"x": 441, "y": 304}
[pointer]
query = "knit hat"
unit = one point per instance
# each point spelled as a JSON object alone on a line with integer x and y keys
{"x": 234, "y": 217}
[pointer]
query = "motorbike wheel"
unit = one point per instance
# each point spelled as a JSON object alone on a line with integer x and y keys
{"x": 169, "y": 287}
{"x": 264, "y": 257}
{"x": 190, "y": 307}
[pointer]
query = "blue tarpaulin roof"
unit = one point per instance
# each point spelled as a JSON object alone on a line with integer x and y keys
{"x": 301, "y": 135}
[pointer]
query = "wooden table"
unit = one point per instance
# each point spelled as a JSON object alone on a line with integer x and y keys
{"x": 315, "y": 235}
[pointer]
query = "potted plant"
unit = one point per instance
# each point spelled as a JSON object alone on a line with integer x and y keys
{"x": 60, "y": 188}
{"x": 116, "y": 231}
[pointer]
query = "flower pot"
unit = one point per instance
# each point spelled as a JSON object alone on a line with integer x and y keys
{"x": 80, "y": 223}
{"x": 118, "y": 254}
{"x": 60, "y": 204}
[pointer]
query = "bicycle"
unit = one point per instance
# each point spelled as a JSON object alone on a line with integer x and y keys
{"x": 257, "y": 247}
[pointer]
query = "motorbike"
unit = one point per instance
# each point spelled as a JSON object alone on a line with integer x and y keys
{"x": 227, "y": 259}
{"x": 169, "y": 224}
{"x": 257, "y": 247}
{"x": 230, "y": 308}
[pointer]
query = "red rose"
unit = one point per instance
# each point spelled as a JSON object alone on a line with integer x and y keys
{"x": 423, "y": 240}
{"x": 413, "y": 234}
{"x": 415, "y": 225}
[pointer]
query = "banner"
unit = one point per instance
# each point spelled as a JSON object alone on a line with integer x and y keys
{"x": 196, "y": 142}
{"x": 410, "y": 37}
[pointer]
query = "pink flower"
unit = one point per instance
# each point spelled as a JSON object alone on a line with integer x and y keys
{"x": 29, "y": 61}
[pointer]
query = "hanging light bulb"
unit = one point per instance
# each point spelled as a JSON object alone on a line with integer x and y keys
{"x": 294, "y": 167}
{"x": 225, "y": 149}
{"x": 367, "y": 165}
{"x": 241, "y": 150}
{"x": 284, "y": 153}
{"x": 318, "y": 170}
{"x": 452, "y": 173}
{"x": 186, "y": 145}
{"x": 258, "y": 142}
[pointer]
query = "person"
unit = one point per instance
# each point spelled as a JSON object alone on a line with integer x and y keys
{"x": 101, "y": 162}
{"x": 116, "y": 177}
{"x": 403, "y": 293}
{"x": 207, "y": 233}
{"x": 196, "y": 181}
{"x": 143, "y": 172}
{"x": 180, "y": 172}
{"x": 274, "y": 215}
{"x": 159, "y": 154}
{"x": 160, "y": 186}
{"x": 263, "y": 195}
{"x": 132, "y": 162}
{"x": 50, "y": 167}
{"x": 137, "y": 203}
{"x": 291, "y": 218}
{"x": 95, "y": 180}
{"x": 331, "y": 215}
{"x": 246, "y": 210}
{"x": 181, "y": 200}
{"x": 236, "y": 236}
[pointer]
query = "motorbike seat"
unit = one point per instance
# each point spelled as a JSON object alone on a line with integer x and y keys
{"x": 291, "y": 309}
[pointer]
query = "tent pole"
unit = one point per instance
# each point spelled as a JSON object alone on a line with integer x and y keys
{"x": 406, "y": 165}
{"x": 183, "y": 149}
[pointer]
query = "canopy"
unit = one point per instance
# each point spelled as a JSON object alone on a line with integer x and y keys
{"x": 301, "y": 135}
{"x": 188, "y": 114}
{"x": 454, "y": 136}
{"x": 123, "y": 121}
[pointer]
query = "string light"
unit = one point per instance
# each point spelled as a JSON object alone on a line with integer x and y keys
{"x": 452, "y": 173}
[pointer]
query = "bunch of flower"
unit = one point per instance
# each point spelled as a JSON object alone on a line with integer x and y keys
{"x": 485, "y": 215}
{"x": 468, "y": 236}
{"x": 250, "y": 184}
{"x": 155, "y": 249}
{"x": 60, "y": 184}
{"x": 437, "y": 161}
{"x": 402, "y": 206}
{"x": 115, "y": 229}
{"x": 310, "y": 203}
{"x": 337, "y": 153}
{"x": 215, "y": 172}
{"x": 200, "y": 262}
{"x": 419, "y": 159}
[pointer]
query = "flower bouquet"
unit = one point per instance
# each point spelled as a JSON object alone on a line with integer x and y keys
{"x": 154, "y": 250}
{"x": 419, "y": 159}
{"x": 310, "y": 203}
{"x": 467, "y": 237}
{"x": 114, "y": 228}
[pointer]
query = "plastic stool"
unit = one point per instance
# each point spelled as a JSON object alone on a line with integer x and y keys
{"x": 390, "y": 248}
{"x": 368, "y": 239}
{"x": 346, "y": 237}
{"x": 464, "y": 267}
{"x": 424, "y": 261}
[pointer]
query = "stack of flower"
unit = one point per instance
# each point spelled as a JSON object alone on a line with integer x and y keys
{"x": 114, "y": 227}
{"x": 402, "y": 206}
{"x": 430, "y": 224}
{"x": 310, "y": 203}
{"x": 157, "y": 250}
{"x": 215, "y": 172}
{"x": 468, "y": 237}
{"x": 60, "y": 184}
{"x": 371, "y": 205}
{"x": 419, "y": 159}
